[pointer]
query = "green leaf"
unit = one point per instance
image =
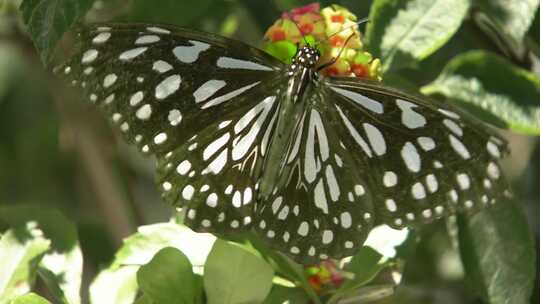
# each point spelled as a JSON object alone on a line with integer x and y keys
{"x": 284, "y": 266}
{"x": 169, "y": 278}
{"x": 21, "y": 249}
{"x": 493, "y": 88}
{"x": 281, "y": 294}
{"x": 514, "y": 18}
{"x": 52, "y": 283}
{"x": 402, "y": 32}
{"x": 169, "y": 11}
{"x": 144, "y": 299}
{"x": 141, "y": 247}
{"x": 365, "y": 266}
{"x": 118, "y": 286}
{"x": 497, "y": 250}
{"x": 48, "y": 20}
{"x": 12, "y": 67}
{"x": 65, "y": 259}
{"x": 30, "y": 298}
{"x": 233, "y": 275}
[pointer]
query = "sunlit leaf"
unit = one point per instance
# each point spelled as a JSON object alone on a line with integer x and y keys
{"x": 233, "y": 275}
{"x": 21, "y": 249}
{"x": 169, "y": 278}
{"x": 30, "y": 298}
{"x": 514, "y": 18}
{"x": 64, "y": 261}
{"x": 139, "y": 248}
{"x": 493, "y": 88}
{"x": 117, "y": 286}
{"x": 402, "y": 32}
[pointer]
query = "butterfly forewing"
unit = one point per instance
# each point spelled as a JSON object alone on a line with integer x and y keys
{"x": 423, "y": 160}
{"x": 197, "y": 101}
{"x": 160, "y": 84}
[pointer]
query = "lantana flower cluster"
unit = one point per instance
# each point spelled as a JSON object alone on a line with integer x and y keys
{"x": 333, "y": 30}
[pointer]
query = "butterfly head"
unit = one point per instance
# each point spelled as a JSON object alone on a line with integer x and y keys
{"x": 306, "y": 57}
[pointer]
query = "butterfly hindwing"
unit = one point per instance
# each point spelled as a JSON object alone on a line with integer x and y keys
{"x": 423, "y": 159}
{"x": 321, "y": 206}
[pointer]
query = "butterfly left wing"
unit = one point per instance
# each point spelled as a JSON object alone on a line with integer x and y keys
{"x": 197, "y": 101}
{"x": 321, "y": 205}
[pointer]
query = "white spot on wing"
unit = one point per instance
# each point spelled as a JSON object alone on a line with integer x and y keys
{"x": 333, "y": 185}
{"x": 213, "y": 147}
{"x": 418, "y": 191}
{"x": 426, "y": 143}
{"x": 346, "y": 220}
{"x": 160, "y": 138}
{"x": 320, "y": 197}
{"x": 449, "y": 113}
{"x": 409, "y": 117}
{"x": 327, "y": 237}
{"x": 219, "y": 163}
{"x": 452, "y": 126}
{"x": 183, "y": 167}
{"x": 207, "y": 89}
{"x": 175, "y": 117}
{"x": 136, "y": 98}
{"x": 109, "y": 80}
{"x": 228, "y": 96}
{"x": 144, "y": 112}
{"x": 233, "y": 63}
{"x": 190, "y": 54}
{"x": 362, "y": 100}
{"x": 168, "y": 86}
{"x": 245, "y": 142}
{"x": 390, "y": 179}
{"x": 459, "y": 147}
{"x": 316, "y": 128}
{"x": 89, "y": 56}
{"x": 376, "y": 139}
{"x": 161, "y": 66}
{"x": 411, "y": 157}
{"x": 354, "y": 133}
{"x": 391, "y": 205}
{"x": 158, "y": 30}
{"x": 101, "y": 38}
{"x": 493, "y": 149}
{"x": 133, "y": 53}
{"x": 147, "y": 39}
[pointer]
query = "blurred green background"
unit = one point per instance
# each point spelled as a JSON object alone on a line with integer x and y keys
{"x": 62, "y": 154}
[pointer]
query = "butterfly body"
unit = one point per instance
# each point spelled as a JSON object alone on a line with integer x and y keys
{"x": 311, "y": 163}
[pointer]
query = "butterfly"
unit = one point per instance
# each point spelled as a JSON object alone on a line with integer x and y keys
{"x": 310, "y": 163}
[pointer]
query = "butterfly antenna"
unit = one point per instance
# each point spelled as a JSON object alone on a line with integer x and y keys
{"x": 329, "y": 63}
{"x": 298, "y": 27}
{"x": 361, "y": 21}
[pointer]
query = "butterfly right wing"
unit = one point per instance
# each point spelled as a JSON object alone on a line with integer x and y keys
{"x": 424, "y": 159}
